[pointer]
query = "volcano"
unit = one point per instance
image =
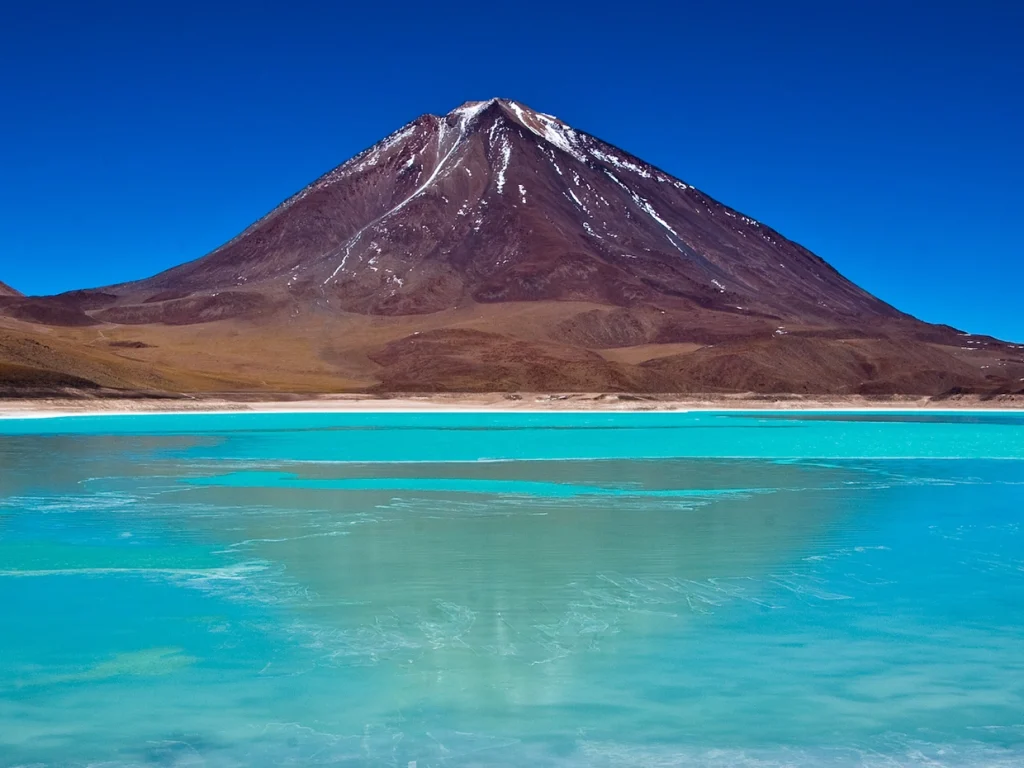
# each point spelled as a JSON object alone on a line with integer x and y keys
{"x": 496, "y": 203}
{"x": 497, "y": 248}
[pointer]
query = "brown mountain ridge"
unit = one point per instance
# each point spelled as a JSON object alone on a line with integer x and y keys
{"x": 496, "y": 248}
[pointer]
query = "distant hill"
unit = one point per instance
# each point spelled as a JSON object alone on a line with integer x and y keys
{"x": 497, "y": 248}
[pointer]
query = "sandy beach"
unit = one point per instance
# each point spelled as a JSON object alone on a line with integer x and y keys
{"x": 492, "y": 402}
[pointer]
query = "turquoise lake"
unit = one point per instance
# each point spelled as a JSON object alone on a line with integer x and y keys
{"x": 521, "y": 589}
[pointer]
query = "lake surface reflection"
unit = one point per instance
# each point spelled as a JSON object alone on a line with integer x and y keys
{"x": 525, "y": 589}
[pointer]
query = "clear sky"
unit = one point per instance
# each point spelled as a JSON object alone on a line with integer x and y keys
{"x": 888, "y": 137}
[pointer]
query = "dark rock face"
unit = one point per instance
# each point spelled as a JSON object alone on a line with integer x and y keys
{"x": 187, "y": 310}
{"x": 48, "y": 310}
{"x": 494, "y": 203}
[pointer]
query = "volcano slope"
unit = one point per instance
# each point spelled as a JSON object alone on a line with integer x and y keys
{"x": 494, "y": 249}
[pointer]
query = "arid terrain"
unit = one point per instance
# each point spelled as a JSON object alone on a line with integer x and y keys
{"x": 494, "y": 249}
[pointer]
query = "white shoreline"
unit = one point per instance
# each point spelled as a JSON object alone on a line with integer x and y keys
{"x": 399, "y": 406}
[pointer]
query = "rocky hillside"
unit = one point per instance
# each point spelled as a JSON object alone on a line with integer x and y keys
{"x": 497, "y": 248}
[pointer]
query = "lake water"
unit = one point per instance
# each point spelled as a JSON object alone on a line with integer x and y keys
{"x": 610, "y": 590}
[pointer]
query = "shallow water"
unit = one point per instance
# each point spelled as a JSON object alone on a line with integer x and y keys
{"x": 512, "y": 590}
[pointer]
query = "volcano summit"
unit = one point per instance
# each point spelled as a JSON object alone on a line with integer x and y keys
{"x": 495, "y": 202}
{"x": 497, "y": 248}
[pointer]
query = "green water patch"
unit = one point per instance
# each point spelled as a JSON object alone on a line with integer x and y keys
{"x": 150, "y": 662}
{"x": 256, "y": 479}
{"x": 463, "y": 436}
{"x": 25, "y": 558}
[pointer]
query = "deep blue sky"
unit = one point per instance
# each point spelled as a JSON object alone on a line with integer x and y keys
{"x": 888, "y": 137}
